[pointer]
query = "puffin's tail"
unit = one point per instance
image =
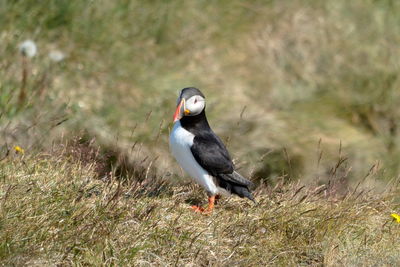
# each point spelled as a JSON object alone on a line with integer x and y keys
{"x": 236, "y": 184}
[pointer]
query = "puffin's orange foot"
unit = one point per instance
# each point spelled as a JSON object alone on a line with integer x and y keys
{"x": 209, "y": 209}
{"x": 198, "y": 209}
{"x": 201, "y": 210}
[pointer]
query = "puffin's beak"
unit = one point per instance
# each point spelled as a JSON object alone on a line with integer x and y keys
{"x": 180, "y": 110}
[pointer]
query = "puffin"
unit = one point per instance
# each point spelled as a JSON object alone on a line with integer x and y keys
{"x": 201, "y": 153}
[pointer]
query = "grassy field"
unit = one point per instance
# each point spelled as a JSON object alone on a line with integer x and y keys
{"x": 56, "y": 210}
{"x": 278, "y": 75}
{"x": 304, "y": 93}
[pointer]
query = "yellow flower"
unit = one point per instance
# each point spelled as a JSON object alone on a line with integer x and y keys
{"x": 19, "y": 150}
{"x": 396, "y": 217}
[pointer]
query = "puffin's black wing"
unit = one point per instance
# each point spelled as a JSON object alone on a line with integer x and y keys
{"x": 211, "y": 154}
{"x": 236, "y": 178}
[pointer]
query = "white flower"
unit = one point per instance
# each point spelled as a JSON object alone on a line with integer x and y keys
{"x": 56, "y": 55}
{"x": 28, "y": 48}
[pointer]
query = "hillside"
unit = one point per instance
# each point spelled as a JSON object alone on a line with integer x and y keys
{"x": 304, "y": 94}
{"x": 278, "y": 76}
{"x": 55, "y": 210}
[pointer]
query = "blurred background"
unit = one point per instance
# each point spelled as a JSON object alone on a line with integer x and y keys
{"x": 298, "y": 90}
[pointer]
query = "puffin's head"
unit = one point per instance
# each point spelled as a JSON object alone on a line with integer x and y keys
{"x": 191, "y": 102}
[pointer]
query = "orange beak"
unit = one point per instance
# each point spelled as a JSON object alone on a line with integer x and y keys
{"x": 179, "y": 112}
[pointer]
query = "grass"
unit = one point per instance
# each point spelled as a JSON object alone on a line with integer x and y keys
{"x": 301, "y": 71}
{"x": 288, "y": 85}
{"x": 56, "y": 210}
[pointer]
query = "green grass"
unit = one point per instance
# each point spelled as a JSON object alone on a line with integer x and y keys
{"x": 301, "y": 70}
{"x": 55, "y": 210}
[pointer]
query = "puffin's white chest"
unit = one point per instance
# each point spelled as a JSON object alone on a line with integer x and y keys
{"x": 180, "y": 141}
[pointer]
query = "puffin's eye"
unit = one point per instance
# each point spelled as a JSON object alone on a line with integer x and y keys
{"x": 195, "y": 100}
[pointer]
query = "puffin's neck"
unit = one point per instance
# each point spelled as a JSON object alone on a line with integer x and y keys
{"x": 196, "y": 124}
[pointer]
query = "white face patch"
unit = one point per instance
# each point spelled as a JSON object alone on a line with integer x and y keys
{"x": 195, "y": 105}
